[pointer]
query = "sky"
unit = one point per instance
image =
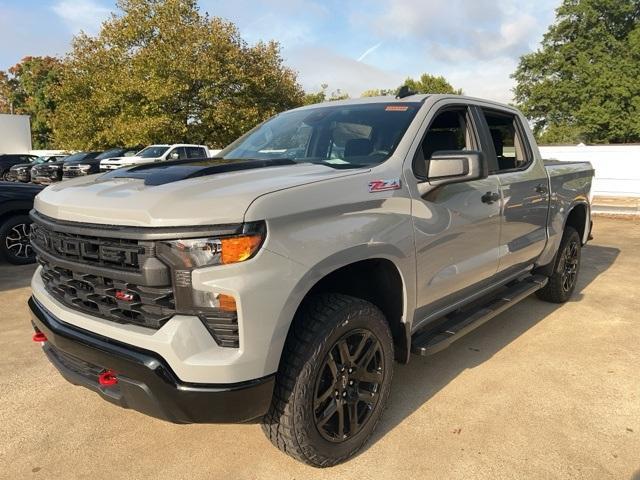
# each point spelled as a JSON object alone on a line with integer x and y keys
{"x": 351, "y": 45}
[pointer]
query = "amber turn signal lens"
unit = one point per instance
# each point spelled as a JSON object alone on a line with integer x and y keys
{"x": 238, "y": 249}
{"x": 227, "y": 303}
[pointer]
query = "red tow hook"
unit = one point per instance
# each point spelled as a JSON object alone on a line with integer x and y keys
{"x": 107, "y": 378}
{"x": 39, "y": 337}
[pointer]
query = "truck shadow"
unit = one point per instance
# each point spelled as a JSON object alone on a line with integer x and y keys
{"x": 414, "y": 384}
{"x": 15, "y": 276}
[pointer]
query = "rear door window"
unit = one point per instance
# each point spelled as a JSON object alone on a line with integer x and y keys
{"x": 511, "y": 148}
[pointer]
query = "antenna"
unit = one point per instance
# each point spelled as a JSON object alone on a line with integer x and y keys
{"x": 404, "y": 91}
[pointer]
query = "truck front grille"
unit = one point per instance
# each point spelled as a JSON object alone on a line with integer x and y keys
{"x": 109, "y": 298}
{"x": 112, "y": 253}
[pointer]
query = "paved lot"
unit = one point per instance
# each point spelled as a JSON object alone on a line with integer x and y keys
{"x": 542, "y": 391}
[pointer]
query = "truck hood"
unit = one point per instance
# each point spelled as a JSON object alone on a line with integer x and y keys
{"x": 180, "y": 193}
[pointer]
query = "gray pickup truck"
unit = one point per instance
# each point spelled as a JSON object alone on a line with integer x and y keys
{"x": 281, "y": 280}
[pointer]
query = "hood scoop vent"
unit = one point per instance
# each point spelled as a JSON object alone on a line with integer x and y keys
{"x": 173, "y": 171}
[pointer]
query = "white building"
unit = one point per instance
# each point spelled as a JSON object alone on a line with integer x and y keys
{"x": 15, "y": 133}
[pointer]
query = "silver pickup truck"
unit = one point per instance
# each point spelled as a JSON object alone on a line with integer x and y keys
{"x": 280, "y": 280}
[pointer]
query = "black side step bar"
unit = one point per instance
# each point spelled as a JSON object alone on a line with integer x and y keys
{"x": 431, "y": 341}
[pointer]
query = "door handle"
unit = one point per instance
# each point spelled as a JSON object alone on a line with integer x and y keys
{"x": 490, "y": 197}
{"x": 541, "y": 188}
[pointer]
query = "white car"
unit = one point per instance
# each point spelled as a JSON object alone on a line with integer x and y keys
{"x": 156, "y": 153}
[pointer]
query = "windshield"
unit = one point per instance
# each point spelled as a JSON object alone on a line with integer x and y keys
{"x": 152, "y": 152}
{"x": 76, "y": 157}
{"x": 114, "y": 152}
{"x": 341, "y": 136}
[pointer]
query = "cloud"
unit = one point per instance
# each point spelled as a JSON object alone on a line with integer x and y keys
{"x": 319, "y": 65}
{"x": 460, "y": 29}
{"x": 85, "y": 15}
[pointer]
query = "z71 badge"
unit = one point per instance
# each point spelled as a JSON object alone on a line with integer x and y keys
{"x": 384, "y": 185}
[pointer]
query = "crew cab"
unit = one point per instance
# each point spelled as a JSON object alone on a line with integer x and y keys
{"x": 281, "y": 280}
{"x": 156, "y": 153}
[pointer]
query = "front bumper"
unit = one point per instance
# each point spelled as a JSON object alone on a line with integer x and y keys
{"x": 46, "y": 178}
{"x": 146, "y": 383}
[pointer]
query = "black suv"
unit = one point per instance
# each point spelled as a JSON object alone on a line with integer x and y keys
{"x": 52, "y": 171}
{"x": 22, "y": 171}
{"x": 16, "y": 200}
{"x": 88, "y": 166}
{"x": 8, "y": 160}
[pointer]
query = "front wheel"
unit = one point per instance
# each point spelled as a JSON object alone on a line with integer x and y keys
{"x": 562, "y": 281}
{"x": 15, "y": 246}
{"x": 333, "y": 381}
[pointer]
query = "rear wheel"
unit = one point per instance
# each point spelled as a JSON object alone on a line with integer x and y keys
{"x": 563, "y": 281}
{"x": 333, "y": 381}
{"x": 15, "y": 246}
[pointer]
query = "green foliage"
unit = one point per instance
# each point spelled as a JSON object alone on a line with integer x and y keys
{"x": 425, "y": 84}
{"x": 431, "y": 84}
{"x": 159, "y": 71}
{"x": 26, "y": 89}
{"x": 379, "y": 92}
{"x": 322, "y": 96}
{"x": 583, "y": 84}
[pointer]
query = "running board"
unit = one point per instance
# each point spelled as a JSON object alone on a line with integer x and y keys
{"x": 456, "y": 326}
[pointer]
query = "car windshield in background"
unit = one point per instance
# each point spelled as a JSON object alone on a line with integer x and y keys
{"x": 341, "y": 136}
{"x": 114, "y": 152}
{"x": 76, "y": 157}
{"x": 152, "y": 152}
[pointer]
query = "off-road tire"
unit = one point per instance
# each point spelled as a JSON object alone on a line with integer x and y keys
{"x": 556, "y": 290}
{"x": 322, "y": 324}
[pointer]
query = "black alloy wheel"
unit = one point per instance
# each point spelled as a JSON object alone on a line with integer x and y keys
{"x": 348, "y": 385}
{"x": 571, "y": 263}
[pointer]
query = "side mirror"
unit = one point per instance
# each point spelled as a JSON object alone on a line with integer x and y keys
{"x": 447, "y": 167}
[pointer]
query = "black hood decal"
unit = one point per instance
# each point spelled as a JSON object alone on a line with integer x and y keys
{"x": 173, "y": 171}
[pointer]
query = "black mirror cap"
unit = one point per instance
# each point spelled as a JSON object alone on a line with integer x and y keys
{"x": 456, "y": 166}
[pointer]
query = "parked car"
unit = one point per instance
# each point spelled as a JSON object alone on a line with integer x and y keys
{"x": 281, "y": 281}
{"x": 8, "y": 160}
{"x": 50, "y": 172}
{"x": 88, "y": 166}
{"x": 22, "y": 171}
{"x": 16, "y": 200}
{"x": 156, "y": 153}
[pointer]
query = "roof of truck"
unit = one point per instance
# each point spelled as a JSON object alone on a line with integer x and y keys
{"x": 416, "y": 98}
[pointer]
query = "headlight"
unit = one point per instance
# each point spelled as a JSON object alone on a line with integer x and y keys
{"x": 205, "y": 252}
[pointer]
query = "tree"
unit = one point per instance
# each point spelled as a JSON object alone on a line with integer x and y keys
{"x": 322, "y": 95}
{"x": 583, "y": 83}
{"x": 5, "y": 94}
{"x": 431, "y": 84}
{"x": 159, "y": 71}
{"x": 27, "y": 89}
{"x": 379, "y": 92}
{"x": 425, "y": 84}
